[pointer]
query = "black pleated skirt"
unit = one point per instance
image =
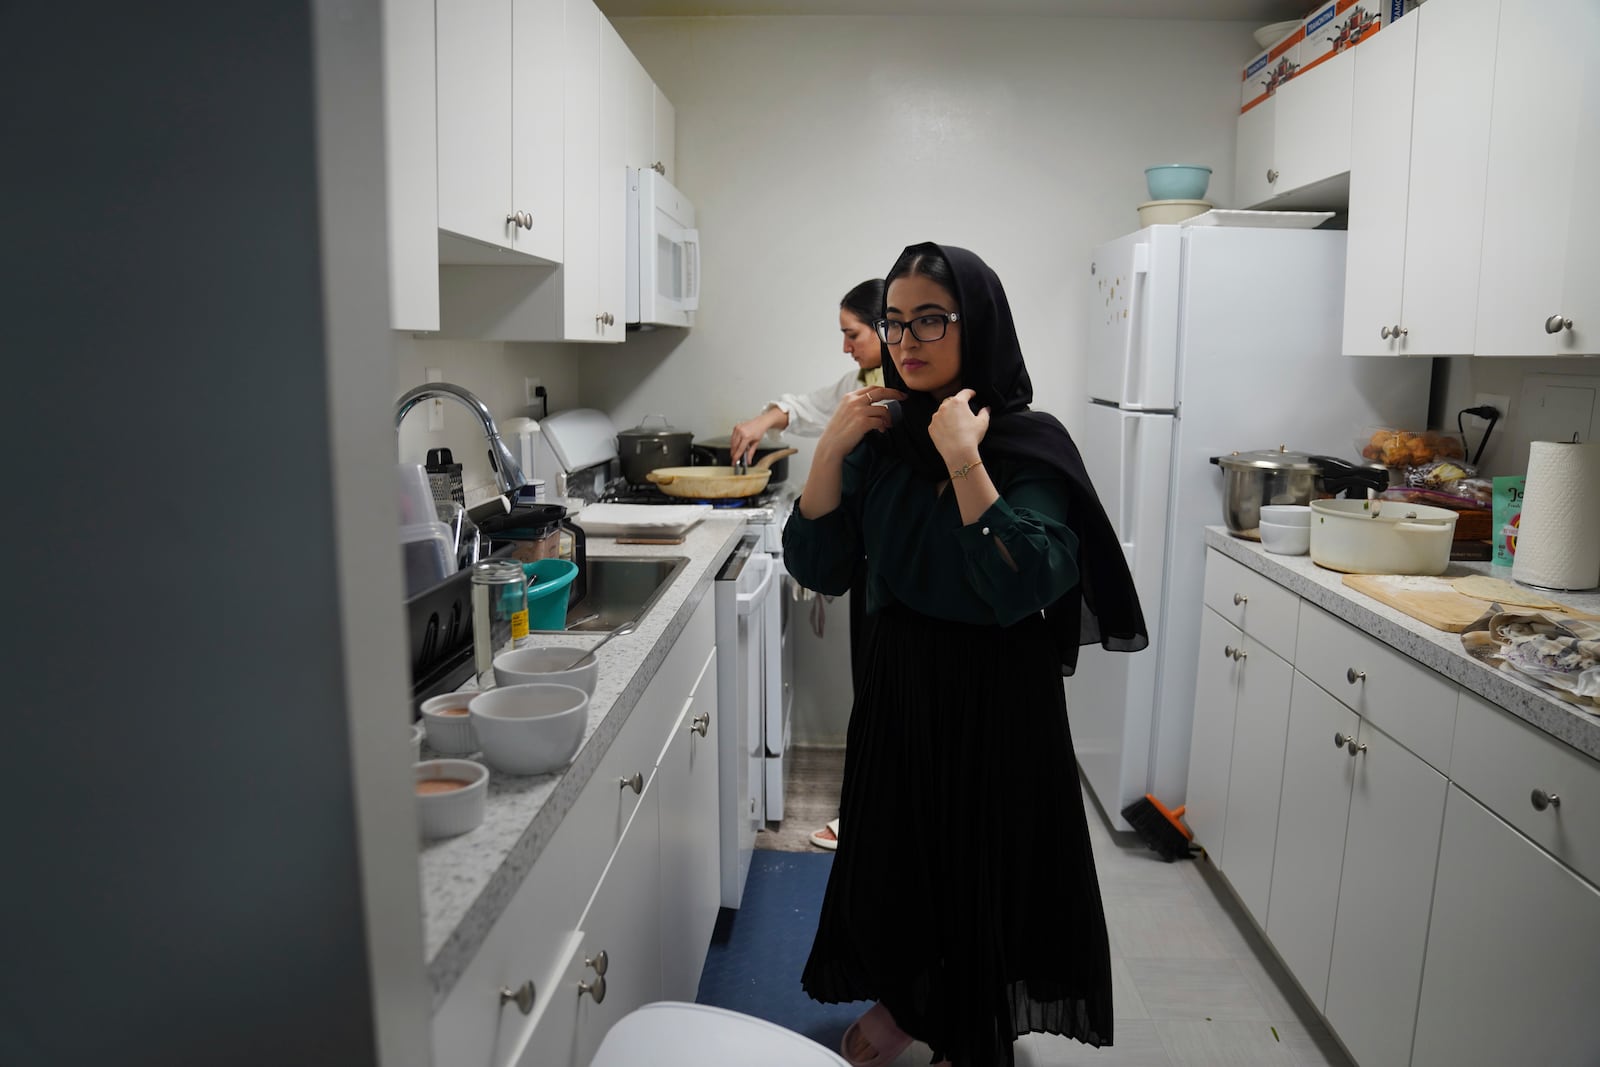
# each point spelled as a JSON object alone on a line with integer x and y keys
{"x": 963, "y": 894}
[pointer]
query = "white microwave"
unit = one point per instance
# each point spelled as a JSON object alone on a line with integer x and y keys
{"x": 663, "y": 254}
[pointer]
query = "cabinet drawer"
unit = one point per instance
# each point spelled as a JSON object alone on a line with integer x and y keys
{"x": 1501, "y": 760}
{"x": 1411, "y": 703}
{"x": 1255, "y": 604}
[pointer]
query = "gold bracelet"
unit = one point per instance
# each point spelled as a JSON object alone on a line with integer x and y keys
{"x": 965, "y": 469}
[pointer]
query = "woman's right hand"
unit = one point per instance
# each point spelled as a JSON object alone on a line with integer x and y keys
{"x": 859, "y": 414}
{"x": 748, "y": 434}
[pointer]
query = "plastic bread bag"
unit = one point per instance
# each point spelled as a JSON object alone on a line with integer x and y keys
{"x": 1556, "y": 651}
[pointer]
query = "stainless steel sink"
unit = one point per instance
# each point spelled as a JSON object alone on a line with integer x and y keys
{"x": 620, "y": 589}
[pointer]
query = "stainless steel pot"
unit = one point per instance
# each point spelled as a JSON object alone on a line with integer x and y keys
{"x": 1279, "y": 476}
{"x": 646, "y": 448}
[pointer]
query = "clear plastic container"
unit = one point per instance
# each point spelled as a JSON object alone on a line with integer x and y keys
{"x": 427, "y": 553}
{"x": 416, "y": 498}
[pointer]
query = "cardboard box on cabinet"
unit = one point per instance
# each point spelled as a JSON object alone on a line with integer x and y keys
{"x": 1341, "y": 24}
{"x": 1270, "y": 68}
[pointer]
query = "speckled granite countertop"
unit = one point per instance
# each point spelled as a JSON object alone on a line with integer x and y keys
{"x": 1436, "y": 649}
{"x": 467, "y": 881}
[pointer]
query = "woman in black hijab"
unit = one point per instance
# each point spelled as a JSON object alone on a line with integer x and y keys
{"x": 964, "y": 899}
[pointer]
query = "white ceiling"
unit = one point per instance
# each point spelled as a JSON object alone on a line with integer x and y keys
{"x": 1246, "y": 10}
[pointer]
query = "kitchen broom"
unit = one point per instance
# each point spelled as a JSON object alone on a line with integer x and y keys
{"x": 1160, "y": 827}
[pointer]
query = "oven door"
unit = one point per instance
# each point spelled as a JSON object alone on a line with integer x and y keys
{"x": 740, "y": 590}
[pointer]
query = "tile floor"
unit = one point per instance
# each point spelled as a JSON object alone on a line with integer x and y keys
{"x": 1195, "y": 983}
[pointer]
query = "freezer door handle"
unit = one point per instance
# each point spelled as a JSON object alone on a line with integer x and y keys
{"x": 1131, "y": 361}
{"x": 1126, "y": 489}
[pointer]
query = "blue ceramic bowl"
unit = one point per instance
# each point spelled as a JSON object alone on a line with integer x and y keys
{"x": 1177, "y": 181}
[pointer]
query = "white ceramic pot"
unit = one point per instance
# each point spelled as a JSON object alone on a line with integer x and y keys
{"x": 1381, "y": 536}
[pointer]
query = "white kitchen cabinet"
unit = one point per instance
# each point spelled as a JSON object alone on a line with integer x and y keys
{"x": 1391, "y": 852}
{"x": 1449, "y": 168}
{"x": 1313, "y": 815}
{"x": 652, "y": 124}
{"x": 1380, "y": 174}
{"x": 499, "y": 131}
{"x": 1294, "y": 147}
{"x": 623, "y": 922}
{"x": 1539, "y": 222}
{"x": 1255, "y": 776}
{"x": 410, "y": 164}
{"x": 1216, "y": 698}
{"x": 691, "y": 884}
{"x": 1512, "y": 974}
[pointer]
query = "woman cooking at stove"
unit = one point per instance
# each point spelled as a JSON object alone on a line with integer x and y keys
{"x": 964, "y": 899}
{"x": 807, "y": 415}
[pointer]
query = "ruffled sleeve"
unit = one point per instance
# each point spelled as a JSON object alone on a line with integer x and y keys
{"x": 1030, "y": 520}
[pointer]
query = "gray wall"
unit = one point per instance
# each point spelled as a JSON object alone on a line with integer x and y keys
{"x": 182, "y": 879}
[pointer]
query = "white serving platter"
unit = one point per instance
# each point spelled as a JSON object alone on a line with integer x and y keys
{"x": 1284, "y": 220}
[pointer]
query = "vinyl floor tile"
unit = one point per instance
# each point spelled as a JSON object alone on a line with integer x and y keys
{"x": 1137, "y": 1045}
{"x": 1162, "y": 931}
{"x": 1219, "y": 1043}
{"x": 1126, "y": 1004}
{"x": 1195, "y": 989}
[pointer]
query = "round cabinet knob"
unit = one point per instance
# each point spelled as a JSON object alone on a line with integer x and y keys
{"x": 596, "y": 989}
{"x": 1394, "y": 332}
{"x": 522, "y": 996}
{"x": 1354, "y": 748}
{"x": 1557, "y": 323}
{"x": 598, "y": 962}
{"x": 1353, "y": 676}
{"x": 700, "y": 723}
{"x": 1228, "y": 651}
{"x": 1272, "y": 175}
{"x": 659, "y": 167}
{"x": 600, "y": 319}
{"x": 1239, "y": 654}
{"x": 1240, "y": 599}
{"x": 636, "y": 783}
{"x": 1384, "y": 333}
{"x": 1340, "y": 739}
{"x": 610, "y": 320}
{"x": 1543, "y": 800}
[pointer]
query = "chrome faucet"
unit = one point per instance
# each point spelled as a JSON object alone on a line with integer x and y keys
{"x": 507, "y": 472}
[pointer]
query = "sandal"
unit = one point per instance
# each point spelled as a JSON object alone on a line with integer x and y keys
{"x": 884, "y": 1040}
{"x": 827, "y": 837}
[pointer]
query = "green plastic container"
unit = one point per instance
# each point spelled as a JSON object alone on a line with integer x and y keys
{"x": 547, "y": 592}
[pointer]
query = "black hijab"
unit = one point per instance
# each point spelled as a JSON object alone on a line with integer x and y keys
{"x": 1103, "y": 607}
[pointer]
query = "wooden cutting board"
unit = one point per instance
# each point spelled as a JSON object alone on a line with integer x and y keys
{"x": 1430, "y": 600}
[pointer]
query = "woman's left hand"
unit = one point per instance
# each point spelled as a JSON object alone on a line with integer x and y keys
{"x": 956, "y": 431}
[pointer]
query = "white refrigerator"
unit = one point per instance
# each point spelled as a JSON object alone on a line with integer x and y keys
{"x": 1203, "y": 340}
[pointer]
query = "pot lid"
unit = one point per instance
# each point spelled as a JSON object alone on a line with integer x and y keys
{"x": 645, "y": 429}
{"x": 1279, "y": 458}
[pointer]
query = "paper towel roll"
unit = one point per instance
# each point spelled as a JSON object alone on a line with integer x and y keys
{"x": 1558, "y": 543}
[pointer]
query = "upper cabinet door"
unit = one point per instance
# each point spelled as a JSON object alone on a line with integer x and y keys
{"x": 582, "y": 318}
{"x": 1449, "y": 166}
{"x": 1311, "y": 141}
{"x": 1545, "y": 121}
{"x": 1380, "y": 173}
{"x": 411, "y": 149}
{"x": 1255, "y": 180}
{"x": 640, "y": 147}
{"x": 474, "y": 48}
{"x": 537, "y": 27}
{"x": 666, "y": 131}
{"x": 615, "y": 61}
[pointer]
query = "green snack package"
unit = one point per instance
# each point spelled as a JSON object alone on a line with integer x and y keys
{"x": 1506, "y": 517}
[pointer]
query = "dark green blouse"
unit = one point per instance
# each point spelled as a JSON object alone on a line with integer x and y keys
{"x": 920, "y": 555}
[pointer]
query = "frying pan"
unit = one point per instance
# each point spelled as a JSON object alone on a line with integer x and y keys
{"x": 717, "y": 483}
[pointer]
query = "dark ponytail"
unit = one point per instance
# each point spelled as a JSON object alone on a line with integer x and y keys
{"x": 865, "y": 301}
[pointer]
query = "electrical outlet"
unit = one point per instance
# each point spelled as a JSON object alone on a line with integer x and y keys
{"x": 1502, "y": 404}
{"x": 530, "y": 395}
{"x": 435, "y": 406}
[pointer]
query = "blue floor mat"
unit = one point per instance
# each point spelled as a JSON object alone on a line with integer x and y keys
{"x": 758, "y": 951}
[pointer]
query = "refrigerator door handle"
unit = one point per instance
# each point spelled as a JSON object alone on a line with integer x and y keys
{"x": 1131, "y": 356}
{"x": 1126, "y": 489}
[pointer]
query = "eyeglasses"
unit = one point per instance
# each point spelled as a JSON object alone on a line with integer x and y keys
{"x": 924, "y": 328}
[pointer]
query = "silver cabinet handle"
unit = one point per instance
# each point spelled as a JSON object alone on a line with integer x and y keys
{"x": 599, "y": 962}
{"x": 604, "y": 319}
{"x": 1542, "y": 800}
{"x": 700, "y": 723}
{"x": 1355, "y": 748}
{"x": 1240, "y": 598}
{"x": 1353, "y": 676}
{"x": 1239, "y": 654}
{"x": 520, "y": 219}
{"x": 596, "y": 989}
{"x": 659, "y": 167}
{"x": 600, "y": 318}
{"x": 610, "y": 320}
{"x": 1557, "y": 323}
{"x": 522, "y": 996}
{"x": 1272, "y": 175}
{"x": 1396, "y": 332}
{"x": 1340, "y": 739}
{"x": 1228, "y": 651}
{"x": 636, "y": 783}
